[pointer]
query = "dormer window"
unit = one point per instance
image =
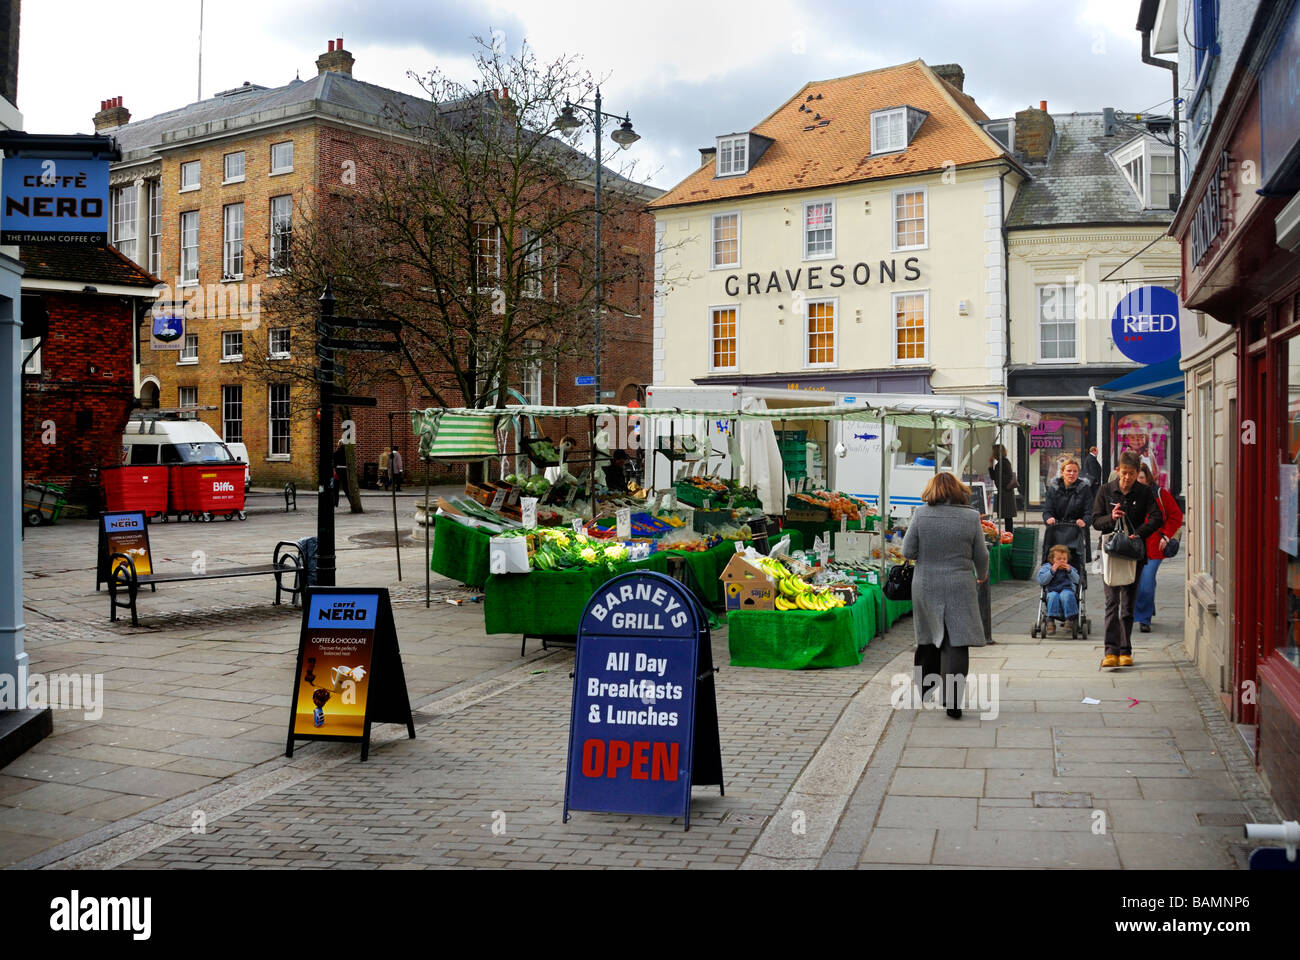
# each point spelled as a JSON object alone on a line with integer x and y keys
{"x": 733, "y": 155}
{"x": 1149, "y": 169}
{"x": 1003, "y": 131}
{"x": 893, "y": 129}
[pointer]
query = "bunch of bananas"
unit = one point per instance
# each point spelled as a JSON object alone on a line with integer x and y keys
{"x": 794, "y": 593}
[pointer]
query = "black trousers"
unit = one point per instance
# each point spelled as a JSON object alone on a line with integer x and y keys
{"x": 949, "y": 663}
{"x": 1119, "y": 618}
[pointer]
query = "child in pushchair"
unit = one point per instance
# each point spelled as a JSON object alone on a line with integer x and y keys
{"x": 1064, "y": 581}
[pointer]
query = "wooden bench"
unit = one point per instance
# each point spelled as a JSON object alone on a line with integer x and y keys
{"x": 286, "y": 560}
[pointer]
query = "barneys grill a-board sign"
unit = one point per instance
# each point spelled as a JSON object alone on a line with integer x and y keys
{"x": 349, "y": 671}
{"x": 48, "y": 200}
{"x": 644, "y": 726}
{"x": 124, "y": 533}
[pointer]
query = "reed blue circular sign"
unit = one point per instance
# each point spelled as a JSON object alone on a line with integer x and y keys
{"x": 1145, "y": 325}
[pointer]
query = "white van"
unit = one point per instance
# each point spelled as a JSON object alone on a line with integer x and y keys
{"x": 151, "y": 439}
{"x": 241, "y": 454}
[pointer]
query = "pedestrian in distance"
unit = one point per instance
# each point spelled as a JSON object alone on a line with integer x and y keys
{"x": 383, "y": 468}
{"x": 1005, "y": 482}
{"x": 946, "y": 540}
{"x": 340, "y": 471}
{"x": 395, "y": 469}
{"x": 1144, "y": 606}
{"x": 1124, "y": 497}
{"x": 1062, "y": 583}
{"x": 1092, "y": 469}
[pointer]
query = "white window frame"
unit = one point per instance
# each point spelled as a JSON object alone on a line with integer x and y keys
{"x": 153, "y": 253}
{"x": 495, "y": 241}
{"x": 277, "y": 171}
{"x": 886, "y": 116}
{"x": 226, "y": 178}
{"x": 184, "y": 357}
{"x": 924, "y": 359}
{"x": 232, "y": 247}
{"x": 180, "y": 398}
{"x": 1010, "y": 124}
{"x": 1203, "y": 508}
{"x": 733, "y": 169}
{"x": 227, "y": 355}
{"x": 714, "y": 264}
{"x": 33, "y": 366}
{"x": 1146, "y": 148}
{"x": 531, "y": 372}
{"x": 187, "y": 281}
{"x": 273, "y": 353}
{"x": 194, "y": 165}
{"x": 1038, "y": 322}
{"x": 532, "y": 262}
{"x": 835, "y": 334}
{"x": 711, "y": 341}
{"x": 225, "y": 407}
{"x": 803, "y": 229}
{"x": 277, "y": 265}
{"x": 893, "y": 218}
{"x": 270, "y": 423}
{"x": 126, "y": 215}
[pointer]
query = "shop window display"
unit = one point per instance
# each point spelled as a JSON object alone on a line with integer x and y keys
{"x": 1289, "y": 507}
{"x": 1149, "y": 436}
{"x": 1057, "y": 434}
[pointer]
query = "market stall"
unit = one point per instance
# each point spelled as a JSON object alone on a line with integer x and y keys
{"x": 542, "y": 541}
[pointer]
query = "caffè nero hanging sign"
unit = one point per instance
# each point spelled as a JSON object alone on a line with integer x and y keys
{"x": 818, "y": 278}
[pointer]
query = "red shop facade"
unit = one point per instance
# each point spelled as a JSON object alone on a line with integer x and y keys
{"x": 1240, "y": 266}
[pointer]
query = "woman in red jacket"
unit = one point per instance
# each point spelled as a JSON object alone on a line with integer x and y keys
{"x": 1144, "y": 606}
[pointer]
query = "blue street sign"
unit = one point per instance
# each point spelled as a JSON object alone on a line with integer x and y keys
{"x": 1145, "y": 325}
{"x": 584, "y": 381}
{"x": 632, "y": 731}
{"x": 49, "y": 200}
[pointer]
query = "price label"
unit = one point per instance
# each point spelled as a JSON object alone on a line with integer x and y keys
{"x": 708, "y": 503}
{"x": 499, "y": 500}
{"x": 844, "y": 523}
{"x": 823, "y": 555}
{"x": 624, "y": 521}
{"x": 579, "y": 529}
{"x": 862, "y": 521}
{"x": 528, "y": 506}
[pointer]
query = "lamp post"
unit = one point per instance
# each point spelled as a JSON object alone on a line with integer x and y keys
{"x": 624, "y": 136}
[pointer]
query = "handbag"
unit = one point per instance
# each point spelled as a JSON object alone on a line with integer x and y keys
{"x": 898, "y": 585}
{"x": 1122, "y": 544}
{"x": 1171, "y": 548}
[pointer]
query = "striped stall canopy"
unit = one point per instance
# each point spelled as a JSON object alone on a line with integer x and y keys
{"x": 449, "y": 436}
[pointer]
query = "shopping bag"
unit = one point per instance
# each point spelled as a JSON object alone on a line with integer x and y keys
{"x": 1117, "y": 571}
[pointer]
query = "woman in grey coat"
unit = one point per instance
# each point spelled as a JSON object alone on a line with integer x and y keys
{"x": 946, "y": 540}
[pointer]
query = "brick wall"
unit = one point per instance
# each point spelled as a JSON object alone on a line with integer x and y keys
{"x": 84, "y": 392}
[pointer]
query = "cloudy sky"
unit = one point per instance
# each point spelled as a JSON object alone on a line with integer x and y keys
{"x": 685, "y": 70}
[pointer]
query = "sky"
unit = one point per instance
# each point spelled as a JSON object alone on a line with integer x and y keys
{"x": 685, "y": 71}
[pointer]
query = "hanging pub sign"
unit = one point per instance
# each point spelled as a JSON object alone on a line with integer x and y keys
{"x": 122, "y": 534}
{"x": 48, "y": 200}
{"x": 1145, "y": 325}
{"x": 644, "y": 726}
{"x": 349, "y": 672}
{"x": 167, "y": 330}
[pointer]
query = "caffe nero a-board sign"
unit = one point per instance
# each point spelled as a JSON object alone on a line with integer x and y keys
{"x": 49, "y": 200}
{"x": 644, "y": 726}
{"x": 1145, "y": 325}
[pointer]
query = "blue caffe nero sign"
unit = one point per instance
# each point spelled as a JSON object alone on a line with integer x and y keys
{"x": 1145, "y": 325}
{"x": 49, "y": 200}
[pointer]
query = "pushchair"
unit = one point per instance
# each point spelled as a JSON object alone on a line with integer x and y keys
{"x": 1075, "y": 539}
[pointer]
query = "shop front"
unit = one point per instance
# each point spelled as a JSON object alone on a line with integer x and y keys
{"x": 1240, "y": 265}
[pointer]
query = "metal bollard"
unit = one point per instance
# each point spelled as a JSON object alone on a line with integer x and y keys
{"x": 290, "y": 496}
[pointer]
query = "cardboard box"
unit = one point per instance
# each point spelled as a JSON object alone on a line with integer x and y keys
{"x": 854, "y": 546}
{"x": 746, "y": 586}
{"x": 510, "y": 554}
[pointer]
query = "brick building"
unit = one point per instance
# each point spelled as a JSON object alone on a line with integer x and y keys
{"x": 205, "y": 197}
{"x": 78, "y": 386}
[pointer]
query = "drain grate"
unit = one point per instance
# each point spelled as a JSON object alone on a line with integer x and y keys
{"x": 744, "y": 819}
{"x": 1222, "y": 819}
{"x": 1052, "y": 799}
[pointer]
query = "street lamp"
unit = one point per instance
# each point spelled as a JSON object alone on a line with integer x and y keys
{"x": 624, "y": 136}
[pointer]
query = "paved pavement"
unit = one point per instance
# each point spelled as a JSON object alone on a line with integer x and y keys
{"x": 185, "y": 769}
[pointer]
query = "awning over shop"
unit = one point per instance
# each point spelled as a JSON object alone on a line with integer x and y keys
{"x": 1158, "y": 382}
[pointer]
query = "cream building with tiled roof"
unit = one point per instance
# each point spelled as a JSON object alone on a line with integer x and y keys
{"x": 851, "y": 241}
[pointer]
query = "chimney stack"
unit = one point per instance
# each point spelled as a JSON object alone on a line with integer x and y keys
{"x": 1034, "y": 132}
{"x": 952, "y": 72}
{"x": 111, "y": 115}
{"x": 335, "y": 60}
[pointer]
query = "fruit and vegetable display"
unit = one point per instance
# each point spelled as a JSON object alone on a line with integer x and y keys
{"x": 535, "y": 486}
{"x": 796, "y": 593}
{"x": 560, "y": 550}
{"x": 840, "y": 506}
{"x": 707, "y": 484}
{"x": 992, "y": 535}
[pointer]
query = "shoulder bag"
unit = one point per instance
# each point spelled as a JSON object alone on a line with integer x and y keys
{"x": 898, "y": 585}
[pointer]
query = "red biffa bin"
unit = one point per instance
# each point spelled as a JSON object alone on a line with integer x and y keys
{"x": 131, "y": 488}
{"x": 206, "y": 490}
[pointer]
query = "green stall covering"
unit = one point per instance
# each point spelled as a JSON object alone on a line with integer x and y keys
{"x": 999, "y": 563}
{"x": 459, "y": 552}
{"x": 800, "y": 640}
{"x": 550, "y": 602}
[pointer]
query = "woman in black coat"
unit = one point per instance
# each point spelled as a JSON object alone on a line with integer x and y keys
{"x": 1068, "y": 503}
{"x": 1004, "y": 481}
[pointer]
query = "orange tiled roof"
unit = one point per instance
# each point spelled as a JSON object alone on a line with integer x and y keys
{"x": 840, "y": 151}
